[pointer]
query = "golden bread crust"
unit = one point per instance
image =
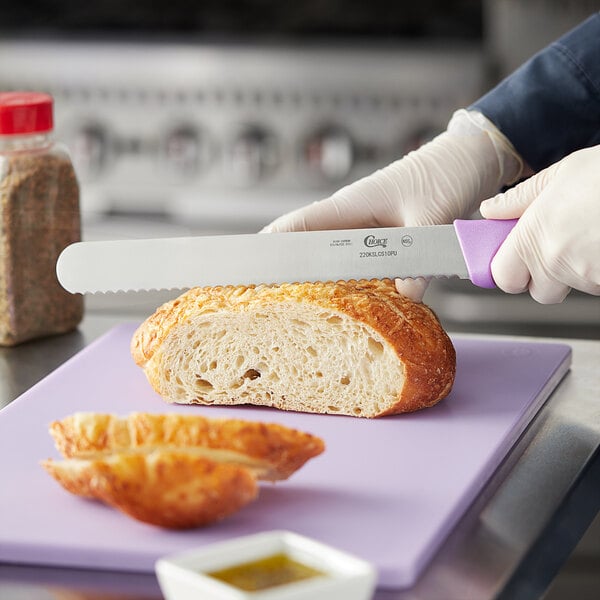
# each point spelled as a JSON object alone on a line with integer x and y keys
{"x": 412, "y": 329}
{"x": 175, "y": 471}
{"x": 168, "y": 489}
{"x": 274, "y": 451}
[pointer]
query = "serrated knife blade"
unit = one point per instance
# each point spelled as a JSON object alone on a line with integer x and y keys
{"x": 464, "y": 249}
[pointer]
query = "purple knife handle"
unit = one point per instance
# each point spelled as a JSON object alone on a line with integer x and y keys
{"x": 479, "y": 241}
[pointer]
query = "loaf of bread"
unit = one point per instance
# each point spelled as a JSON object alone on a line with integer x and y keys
{"x": 350, "y": 347}
{"x": 175, "y": 471}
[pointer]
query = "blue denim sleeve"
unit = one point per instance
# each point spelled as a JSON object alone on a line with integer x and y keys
{"x": 550, "y": 106}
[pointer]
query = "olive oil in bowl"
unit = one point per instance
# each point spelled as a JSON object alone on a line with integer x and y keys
{"x": 271, "y": 571}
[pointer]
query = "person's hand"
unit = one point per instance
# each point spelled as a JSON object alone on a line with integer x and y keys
{"x": 443, "y": 180}
{"x": 555, "y": 246}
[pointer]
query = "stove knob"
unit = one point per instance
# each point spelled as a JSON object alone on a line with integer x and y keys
{"x": 88, "y": 146}
{"x": 253, "y": 154}
{"x": 185, "y": 151}
{"x": 330, "y": 153}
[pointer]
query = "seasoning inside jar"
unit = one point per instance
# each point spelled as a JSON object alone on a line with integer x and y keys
{"x": 39, "y": 217}
{"x": 264, "y": 573}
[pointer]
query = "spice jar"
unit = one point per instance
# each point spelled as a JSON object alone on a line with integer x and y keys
{"x": 39, "y": 212}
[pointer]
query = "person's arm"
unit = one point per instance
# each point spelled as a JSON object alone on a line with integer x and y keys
{"x": 550, "y": 106}
{"x": 475, "y": 157}
{"x": 443, "y": 180}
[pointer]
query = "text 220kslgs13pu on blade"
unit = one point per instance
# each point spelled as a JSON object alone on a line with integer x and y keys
{"x": 464, "y": 249}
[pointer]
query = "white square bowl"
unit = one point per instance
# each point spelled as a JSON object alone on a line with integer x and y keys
{"x": 184, "y": 576}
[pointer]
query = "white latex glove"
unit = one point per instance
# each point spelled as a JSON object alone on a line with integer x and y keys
{"x": 555, "y": 246}
{"x": 445, "y": 179}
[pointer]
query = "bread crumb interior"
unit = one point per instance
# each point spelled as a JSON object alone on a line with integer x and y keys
{"x": 321, "y": 361}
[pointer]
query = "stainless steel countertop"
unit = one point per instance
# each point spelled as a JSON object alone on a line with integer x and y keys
{"x": 509, "y": 544}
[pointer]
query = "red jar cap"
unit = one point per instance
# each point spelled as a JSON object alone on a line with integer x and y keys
{"x": 25, "y": 112}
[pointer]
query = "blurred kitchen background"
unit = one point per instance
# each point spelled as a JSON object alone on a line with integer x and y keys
{"x": 213, "y": 116}
{"x": 188, "y": 117}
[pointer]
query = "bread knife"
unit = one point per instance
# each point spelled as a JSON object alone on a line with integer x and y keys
{"x": 463, "y": 249}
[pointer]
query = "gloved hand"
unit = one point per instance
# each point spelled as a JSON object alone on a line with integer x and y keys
{"x": 555, "y": 246}
{"x": 443, "y": 180}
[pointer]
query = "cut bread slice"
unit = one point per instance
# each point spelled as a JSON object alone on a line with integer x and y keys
{"x": 172, "y": 470}
{"x": 351, "y": 347}
{"x": 165, "y": 488}
{"x": 271, "y": 451}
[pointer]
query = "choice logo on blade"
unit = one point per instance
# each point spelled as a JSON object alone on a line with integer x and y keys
{"x": 371, "y": 241}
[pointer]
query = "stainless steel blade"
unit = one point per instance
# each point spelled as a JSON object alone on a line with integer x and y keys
{"x": 180, "y": 263}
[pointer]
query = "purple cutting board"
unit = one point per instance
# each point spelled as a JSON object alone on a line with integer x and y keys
{"x": 388, "y": 490}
